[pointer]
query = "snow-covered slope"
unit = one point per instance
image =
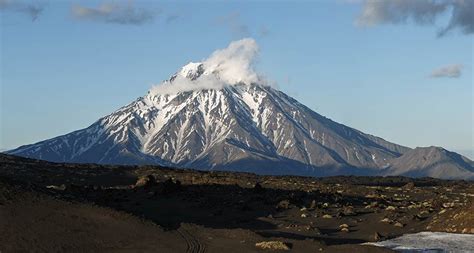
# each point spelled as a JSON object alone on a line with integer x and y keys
{"x": 218, "y": 128}
{"x": 220, "y": 114}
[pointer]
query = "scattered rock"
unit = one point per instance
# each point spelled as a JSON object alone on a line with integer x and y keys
{"x": 391, "y": 208}
{"x": 413, "y": 206}
{"x": 146, "y": 181}
{"x": 56, "y": 187}
{"x": 409, "y": 186}
{"x": 313, "y": 229}
{"x": 272, "y": 245}
{"x": 448, "y": 205}
{"x": 313, "y": 204}
{"x": 327, "y": 216}
{"x": 373, "y": 205}
{"x": 303, "y": 215}
{"x": 386, "y": 220}
{"x": 377, "y": 236}
{"x": 348, "y": 211}
{"x": 344, "y": 230}
{"x": 344, "y": 226}
{"x": 398, "y": 224}
{"x": 284, "y": 204}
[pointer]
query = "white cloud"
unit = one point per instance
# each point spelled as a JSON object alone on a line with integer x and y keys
{"x": 461, "y": 13}
{"x": 228, "y": 66}
{"x": 32, "y": 10}
{"x": 124, "y": 14}
{"x": 452, "y": 71}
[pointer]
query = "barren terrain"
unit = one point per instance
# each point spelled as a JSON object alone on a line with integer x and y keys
{"x": 51, "y": 207}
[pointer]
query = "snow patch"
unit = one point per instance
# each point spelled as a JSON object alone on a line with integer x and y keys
{"x": 430, "y": 242}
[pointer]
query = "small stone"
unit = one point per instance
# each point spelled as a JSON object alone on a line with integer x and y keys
{"x": 377, "y": 236}
{"x": 57, "y": 188}
{"x": 303, "y": 215}
{"x": 344, "y": 226}
{"x": 313, "y": 204}
{"x": 145, "y": 181}
{"x": 398, "y": 224}
{"x": 284, "y": 204}
{"x": 344, "y": 230}
{"x": 386, "y": 220}
{"x": 327, "y": 216}
{"x": 348, "y": 211}
{"x": 390, "y": 208}
{"x": 313, "y": 229}
{"x": 409, "y": 186}
{"x": 448, "y": 205}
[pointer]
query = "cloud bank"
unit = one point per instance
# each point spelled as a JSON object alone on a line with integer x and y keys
{"x": 451, "y": 71}
{"x": 228, "y": 66}
{"x": 460, "y": 12}
{"x": 114, "y": 13}
{"x": 31, "y": 10}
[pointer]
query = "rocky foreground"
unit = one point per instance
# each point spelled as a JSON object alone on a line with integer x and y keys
{"x": 50, "y": 207}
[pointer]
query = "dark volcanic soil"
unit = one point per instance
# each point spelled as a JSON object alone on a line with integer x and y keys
{"x": 50, "y": 207}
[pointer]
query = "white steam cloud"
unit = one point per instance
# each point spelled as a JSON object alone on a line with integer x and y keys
{"x": 235, "y": 63}
{"x": 451, "y": 71}
{"x": 228, "y": 66}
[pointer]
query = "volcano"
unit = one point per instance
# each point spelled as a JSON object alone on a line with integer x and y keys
{"x": 219, "y": 114}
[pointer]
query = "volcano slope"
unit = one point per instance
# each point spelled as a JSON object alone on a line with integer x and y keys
{"x": 51, "y": 207}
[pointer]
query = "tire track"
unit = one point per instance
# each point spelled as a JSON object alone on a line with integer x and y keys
{"x": 193, "y": 244}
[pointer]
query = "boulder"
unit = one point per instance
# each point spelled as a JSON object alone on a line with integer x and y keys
{"x": 272, "y": 245}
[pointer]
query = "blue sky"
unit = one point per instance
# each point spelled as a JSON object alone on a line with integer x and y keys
{"x": 61, "y": 72}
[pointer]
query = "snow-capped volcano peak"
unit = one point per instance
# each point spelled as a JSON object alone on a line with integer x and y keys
{"x": 191, "y": 70}
{"x": 229, "y": 66}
